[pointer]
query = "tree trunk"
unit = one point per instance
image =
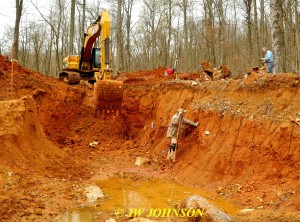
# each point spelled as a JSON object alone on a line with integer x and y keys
{"x": 289, "y": 35}
{"x": 256, "y": 34}
{"x": 19, "y": 8}
{"x": 297, "y": 36}
{"x": 210, "y": 28}
{"x": 119, "y": 37}
{"x": 221, "y": 31}
{"x": 278, "y": 34}
{"x": 248, "y": 5}
{"x": 168, "y": 60}
{"x": 185, "y": 29}
{"x": 49, "y": 54}
{"x": 128, "y": 11}
{"x": 83, "y": 16}
{"x": 72, "y": 24}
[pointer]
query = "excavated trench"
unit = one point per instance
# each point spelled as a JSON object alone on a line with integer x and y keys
{"x": 245, "y": 149}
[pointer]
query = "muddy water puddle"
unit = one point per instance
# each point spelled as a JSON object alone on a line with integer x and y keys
{"x": 126, "y": 198}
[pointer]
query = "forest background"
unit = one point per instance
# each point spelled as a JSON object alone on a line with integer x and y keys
{"x": 148, "y": 34}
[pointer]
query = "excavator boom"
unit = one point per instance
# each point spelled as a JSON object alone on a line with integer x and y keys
{"x": 94, "y": 65}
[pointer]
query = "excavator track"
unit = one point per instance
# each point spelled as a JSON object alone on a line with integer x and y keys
{"x": 71, "y": 78}
{"x": 109, "y": 95}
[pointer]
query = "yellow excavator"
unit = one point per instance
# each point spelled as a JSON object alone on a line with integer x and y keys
{"x": 94, "y": 65}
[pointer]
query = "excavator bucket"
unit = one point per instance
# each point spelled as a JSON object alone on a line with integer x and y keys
{"x": 109, "y": 95}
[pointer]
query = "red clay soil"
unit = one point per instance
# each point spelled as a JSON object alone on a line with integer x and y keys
{"x": 246, "y": 148}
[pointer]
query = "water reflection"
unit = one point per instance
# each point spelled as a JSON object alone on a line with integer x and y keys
{"x": 143, "y": 194}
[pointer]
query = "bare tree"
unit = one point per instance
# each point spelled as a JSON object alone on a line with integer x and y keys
{"x": 82, "y": 22}
{"x": 255, "y": 27}
{"x": 222, "y": 23}
{"x": 248, "y": 8}
{"x": 214, "y": 30}
{"x": 19, "y": 9}
{"x": 128, "y": 8}
{"x": 297, "y": 35}
{"x": 72, "y": 25}
{"x": 184, "y": 7}
{"x": 119, "y": 42}
{"x": 210, "y": 26}
{"x": 262, "y": 25}
{"x": 278, "y": 44}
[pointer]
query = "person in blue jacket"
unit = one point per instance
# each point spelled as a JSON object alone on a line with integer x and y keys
{"x": 268, "y": 59}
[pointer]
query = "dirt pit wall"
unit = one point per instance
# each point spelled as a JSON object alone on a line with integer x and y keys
{"x": 24, "y": 144}
{"x": 248, "y": 133}
{"x": 21, "y": 135}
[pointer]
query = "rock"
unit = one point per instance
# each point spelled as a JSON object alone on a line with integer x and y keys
{"x": 194, "y": 83}
{"x": 220, "y": 189}
{"x": 92, "y": 193}
{"x": 207, "y": 132}
{"x": 210, "y": 212}
{"x": 93, "y": 144}
{"x": 155, "y": 160}
{"x": 140, "y": 161}
{"x": 110, "y": 220}
{"x": 204, "y": 77}
{"x": 38, "y": 212}
{"x": 271, "y": 203}
{"x": 207, "y": 66}
{"x": 246, "y": 210}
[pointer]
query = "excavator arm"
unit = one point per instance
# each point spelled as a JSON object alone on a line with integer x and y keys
{"x": 95, "y": 64}
{"x": 89, "y": 40}
{"x": 109, "y": 93}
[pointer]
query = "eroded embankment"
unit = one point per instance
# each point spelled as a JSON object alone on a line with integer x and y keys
{"x": 246, "y": 137}
{"x": 33, "y": 170}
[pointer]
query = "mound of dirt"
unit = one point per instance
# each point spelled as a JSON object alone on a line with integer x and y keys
{"x": 145, "y": 75}
{"x": 21, "y": 134}
{"x": 57, "y": 103}
{"x": 24, "y": 144}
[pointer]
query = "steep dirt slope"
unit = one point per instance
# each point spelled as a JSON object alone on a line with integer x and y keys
{"x": 246, "y": 137}
{"x": 33, "y": 169}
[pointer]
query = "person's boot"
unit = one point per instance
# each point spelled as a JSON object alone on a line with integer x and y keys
{"x": 169, "y": 154}
{"x": 172, "y": 155}
{"x": 171, "y": 150}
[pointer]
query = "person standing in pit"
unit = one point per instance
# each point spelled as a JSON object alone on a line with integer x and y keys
{"x": 176, "y": 123}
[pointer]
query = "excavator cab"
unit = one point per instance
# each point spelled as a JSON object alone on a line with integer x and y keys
{"x": 94, "y": 65}
{"x": 96, "y": 58}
